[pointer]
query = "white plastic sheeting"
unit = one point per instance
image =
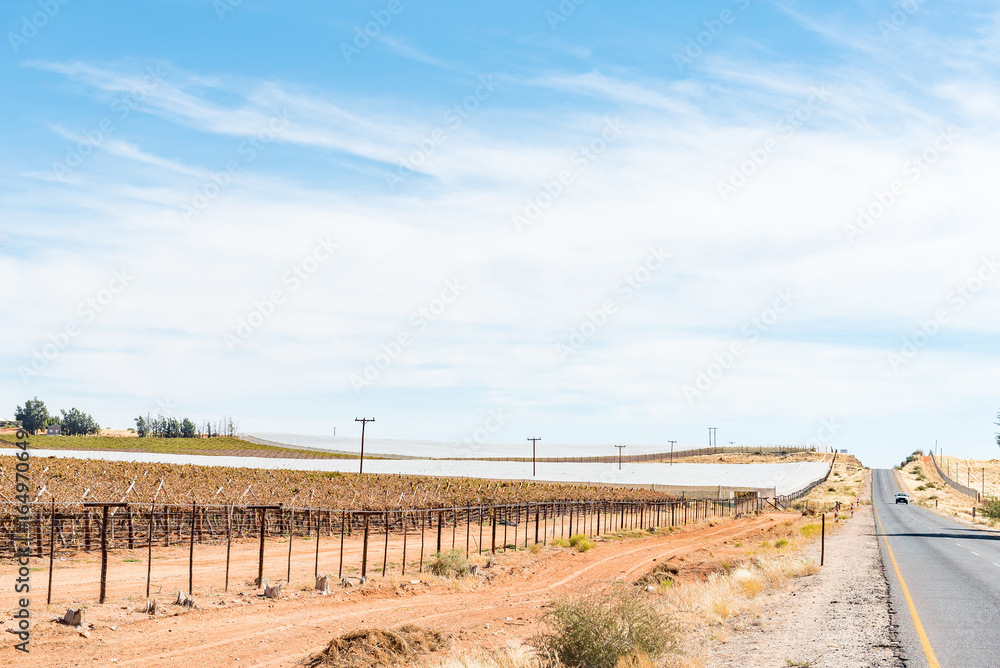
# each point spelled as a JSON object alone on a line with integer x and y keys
{"x": 784, "y": 478}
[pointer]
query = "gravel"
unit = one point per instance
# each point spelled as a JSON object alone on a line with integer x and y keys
{"x": 840, "y": 617}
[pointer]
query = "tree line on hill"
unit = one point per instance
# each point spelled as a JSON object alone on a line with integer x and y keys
{"x": 164, "y": 427}
{"x": 34, "y": 415}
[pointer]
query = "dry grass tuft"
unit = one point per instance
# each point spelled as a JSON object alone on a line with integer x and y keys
{"x": 508, "y": 657}
{"x": 373, "y": 648}
{"x": 638, "y": 660}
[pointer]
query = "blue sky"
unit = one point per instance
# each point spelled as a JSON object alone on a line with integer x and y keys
{"x": 616, "y": 224}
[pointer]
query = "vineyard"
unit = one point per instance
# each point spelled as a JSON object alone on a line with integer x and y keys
{"x": 82, "y": 480}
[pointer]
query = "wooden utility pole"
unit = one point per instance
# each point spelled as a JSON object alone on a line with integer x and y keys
{"x": 364, "y": 422}
{"x": 533, "y": 442}
{"x": 620, "y": 448}
{"x": 671, "y": 452}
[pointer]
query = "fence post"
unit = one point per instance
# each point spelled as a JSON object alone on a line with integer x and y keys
{"x": 364, "y": 550}
{"x": 493, "y": 543}
{"x": 404, "y": 541}
{"x": 149, "y": 550}
{"x": 104, "y": 553}
{"x": 291, "y": 533}
{"x": 194, "y": 510}
{"x": 260, "y": 557}
{"x": 52, "y": 548}
{"x": 343, "y": 518}
{"x": 537, "y": 510}
{"x": 229, "y": 541}
{"x": 385, "y": 555}
{"x": 439, "y": 514}
{"x": 131, "y": 529}
{"x": 319, "y": 521}
{"x": 822, "y": 539}
{"x": 423, "y": 527}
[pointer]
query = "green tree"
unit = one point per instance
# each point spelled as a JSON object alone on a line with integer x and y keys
{"x": 187, "y": 428}
{"x": 78, "y": 423}
{"x": 141, "y": 428}
{"x": 33, "y": 416}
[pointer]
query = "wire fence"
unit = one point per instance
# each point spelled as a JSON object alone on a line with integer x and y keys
{"x": 412, "y": 536}
{"x": 968, "y": 491}
{"x": 665, "y": 456}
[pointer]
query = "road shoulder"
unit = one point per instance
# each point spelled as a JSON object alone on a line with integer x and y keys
{"x": 839, "y": 617}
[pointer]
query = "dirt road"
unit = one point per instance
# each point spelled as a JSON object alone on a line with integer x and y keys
{"x": 241, "y": 629}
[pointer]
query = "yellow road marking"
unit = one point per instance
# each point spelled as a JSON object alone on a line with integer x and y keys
{"x": 925, "y": 643}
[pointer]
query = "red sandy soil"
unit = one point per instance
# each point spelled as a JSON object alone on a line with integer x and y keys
{"x": 239, "y": 628}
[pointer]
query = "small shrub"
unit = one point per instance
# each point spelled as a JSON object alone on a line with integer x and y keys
{"x": 576, "y": 538}
{"x": 598, "y": 630}
{"x": 810, "y": 530}
{"x": 781, "y": 542}
{"x": 449, "y": 564}
{"x": 560, "y": 542}
{"x": 535, "y": 548}
{"x": 921, "y": 488}
{"x": 831, "y": 489}
{"x": 584, "y": 545}
{"x": 990, "y": 508}
{"x": 765, "y": 544}
{"x": 738, "y": 543}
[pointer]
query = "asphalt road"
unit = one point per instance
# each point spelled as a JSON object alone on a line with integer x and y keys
{"x": 952, "y": 575}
